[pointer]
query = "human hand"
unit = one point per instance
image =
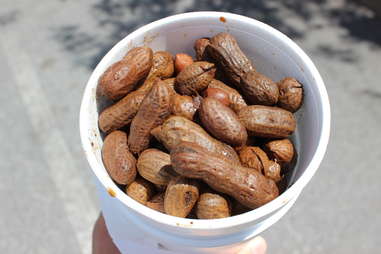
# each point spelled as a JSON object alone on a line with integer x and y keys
{"x": 103, "y": 244}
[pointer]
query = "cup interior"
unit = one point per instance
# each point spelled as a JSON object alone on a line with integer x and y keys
{"x": 272, "y": 53}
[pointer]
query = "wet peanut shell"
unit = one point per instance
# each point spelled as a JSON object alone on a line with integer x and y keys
{"x": 266, "y": 121}
{"x": 259, "y": 89}
{"x": 199, "y": 47}
{"x": 152, "y": 165}
{"x": 180, "y": 197}
{"x": 236, "y": 100}
{"x": 170, "y": 82}
{"x": 183, "y": 105}
{"x": 281, "y": 150}
{"x": 212, "y": 206}
{"x": 122, "y": 77}
{"x": 290, "y": 94}
{"x": 121, "y": 113}
{"x": 140, "y": 190}
{"x": 247, "y": 186}
{"x": 152, "y": 112}
{"x": 222, "y": 122}
{"x": 147, "y": 85}
{"x": 217, "y": 94}
{"x": 194, "y": 78}
{"x": 249, "y": 158}
{"x": 177, "y": 129}
{"x": 117, "y": 159}
{"x": 162, "y": 65}
{"x": 272, "y": 170}
{"x": 255, "y": 157}
{"x": 224, "y": 49}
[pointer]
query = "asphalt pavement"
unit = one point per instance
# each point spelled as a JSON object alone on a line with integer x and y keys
{"x": 48, "y": 49}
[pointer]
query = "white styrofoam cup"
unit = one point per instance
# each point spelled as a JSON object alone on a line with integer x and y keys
{"x": 138, "y": 229}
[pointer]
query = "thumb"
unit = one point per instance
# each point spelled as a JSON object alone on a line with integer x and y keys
{"x": 256, "y": 246}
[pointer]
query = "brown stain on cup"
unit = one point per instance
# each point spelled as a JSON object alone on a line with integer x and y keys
{"x": 223, "y": 19}
{"x": 111, "y": 192}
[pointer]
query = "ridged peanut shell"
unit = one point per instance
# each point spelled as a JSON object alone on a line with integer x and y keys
{"x": 180, "y": 197}
{"x": 224, "y": 49}
{"x": 266, "y": 121}
{"x": 200, "y": 49}
{"x": 177, "y": 129}
{"x": 121, "y": 77}
{"x": 236, "y": 100}
{"x": 212, "y": 206}
{"x": 259, "y": 89}
{"x": 183, "y": 105}
{"x": 162, "y": 65}
{"x": 152, "y": 112}
{"x": 247, "y": 186}
{"x": 250, "y": 158}
{"x": 217, "y": 94}
{"x": 290, "y": 94}
{"x": 222, "y": 122}
{"x": 117, "y": 159}
{"x": 194, "y": 78}
{"x": 153, "y": 166}
{"x": 140, "y": 190}
{"x": 281, "y": 150}
{"x": 121, "y": 113}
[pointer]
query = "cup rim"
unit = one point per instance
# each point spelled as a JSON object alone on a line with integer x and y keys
{"x": 244, "y": 218}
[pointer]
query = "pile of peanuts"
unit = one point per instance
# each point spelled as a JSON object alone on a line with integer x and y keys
{"x": 198, "y": 138}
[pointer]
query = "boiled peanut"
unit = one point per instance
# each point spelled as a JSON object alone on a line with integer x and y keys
{"x": 140, "y": 190}
{"x": 236, "y": 100}
{"x": 177, "y": 129}
{"x": 146, "y": 87}
{"x": 254, "y": 157}
{"x": 259, "y": 89}
{"x": 121, "y": 113}
{"x": 222, "y": 122}
{"x": 218, "y": 94}
{"x": 199, "y": 47}
{"x": 224, "y": 49}
{"x": 122, "y": 77}
{"x": 281, "y": 150}
{"x": 180, "y": 197}
{"x": 162, "y": 65}
{"x": 272, "y": 170}
{"x": 183, "y": 105}
{"x": 290, "y": 94}
{"x": 181, "y": 61}
{"x": 118, "y": 160}
{"x": 249, "y": 157}
{"x": 212, "y": 206}
{"x": 265, "y": 121}
{"x": 152, "y": 112}
{"x": 244, "y": 184}
{"x": 170, "y": 82}
{"x": 157, "y": 202}
{"x": 153, "y": 164}
{"x": 194, "y": 78}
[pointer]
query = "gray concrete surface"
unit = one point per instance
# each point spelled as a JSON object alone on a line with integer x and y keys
{"x": 47, "y": 51}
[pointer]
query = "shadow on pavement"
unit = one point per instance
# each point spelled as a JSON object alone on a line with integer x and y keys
{"x": 117, "y": 19}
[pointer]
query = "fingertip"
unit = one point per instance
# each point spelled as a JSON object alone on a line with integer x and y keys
{"x": 256, "y": 246}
